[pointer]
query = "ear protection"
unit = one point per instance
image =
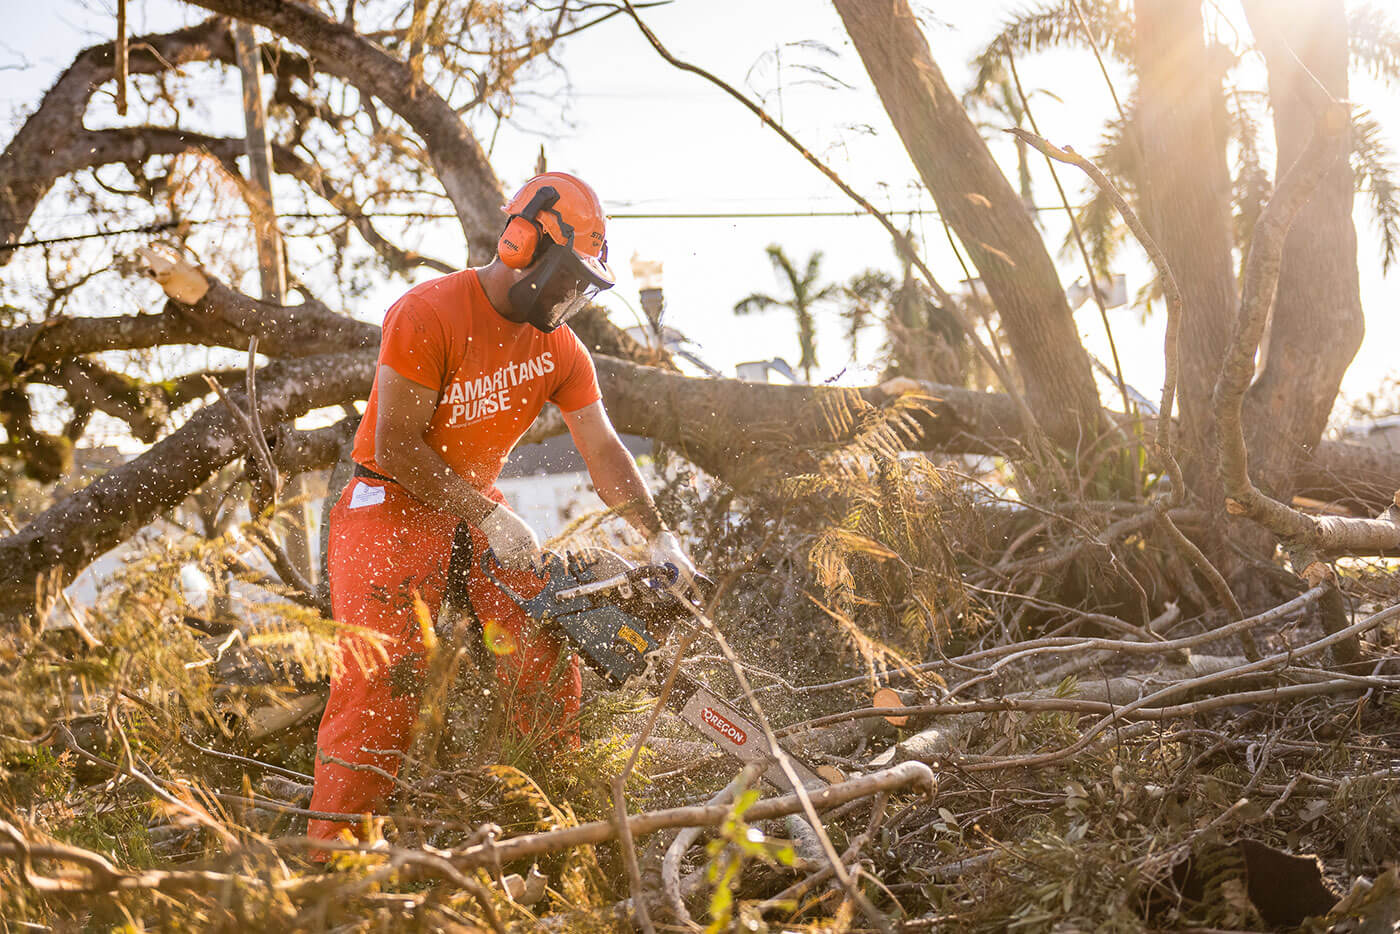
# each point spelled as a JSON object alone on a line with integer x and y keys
{"x": 523, "y": 237}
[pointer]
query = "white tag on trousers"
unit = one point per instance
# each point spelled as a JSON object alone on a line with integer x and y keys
{"x": 366, "y": 495}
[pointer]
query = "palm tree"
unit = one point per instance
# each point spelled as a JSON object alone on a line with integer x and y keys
{"x": 804, "y": 295}
{"x": 865, "y": 294}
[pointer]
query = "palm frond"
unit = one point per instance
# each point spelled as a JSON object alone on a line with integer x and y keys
{"x": 871, "y": 285}
{"x": 814, "y": 268}
{"x": 1374, "y": 41}
{"x": 782, "y": 265}
{"x": 864, "y": 293}
{"x": 1374, "y": 163}
{"x": 755, "y": 302}
{"x": 1119, "y": 155}
{"x": 1051, "y": 25}
{"x": 1104, "y": 234}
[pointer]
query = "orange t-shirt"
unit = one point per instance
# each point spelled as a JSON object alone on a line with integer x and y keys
{"x": 492, "y": 376}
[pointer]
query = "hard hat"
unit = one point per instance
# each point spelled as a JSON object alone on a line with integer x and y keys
{"x": 556, "y": 228}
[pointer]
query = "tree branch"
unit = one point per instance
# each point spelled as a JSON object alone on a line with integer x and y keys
{"x": 457, "y": 158}
{"x": 26, "y": 174}
{"x": 92, "y": 148}
{"x": 114, "y": 507}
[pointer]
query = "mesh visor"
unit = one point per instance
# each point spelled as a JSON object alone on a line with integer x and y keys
{"x": 570, "y": 281}
{"x": 566, "y": 308}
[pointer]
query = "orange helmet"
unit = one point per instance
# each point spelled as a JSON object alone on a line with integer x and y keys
{"x": 574, "y": 214}
{"x": 556, "y": 229}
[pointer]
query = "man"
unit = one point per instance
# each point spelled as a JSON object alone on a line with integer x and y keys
{"x": 466, "y": 363}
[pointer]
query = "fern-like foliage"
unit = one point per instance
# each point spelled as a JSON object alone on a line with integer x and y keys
{"x": 1374, "y": 163}
{"x": 886, "y": 562}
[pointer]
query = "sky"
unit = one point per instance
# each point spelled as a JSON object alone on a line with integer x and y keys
{"x": 654, "y": 140}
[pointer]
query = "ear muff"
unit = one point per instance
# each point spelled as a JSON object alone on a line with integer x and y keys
{"x": 519, "y": 243}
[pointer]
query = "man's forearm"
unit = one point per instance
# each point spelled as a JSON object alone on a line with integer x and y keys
{"x": 420, "y": 471}
{"x": 621, "y": 488}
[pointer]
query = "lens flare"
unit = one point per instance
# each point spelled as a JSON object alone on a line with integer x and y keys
{"x": 499, "y": 640}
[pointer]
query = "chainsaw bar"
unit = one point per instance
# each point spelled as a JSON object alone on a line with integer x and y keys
{"x": 735, "y": 735}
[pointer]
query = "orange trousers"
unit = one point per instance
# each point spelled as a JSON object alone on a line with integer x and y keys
{"x": 385, "y": 547}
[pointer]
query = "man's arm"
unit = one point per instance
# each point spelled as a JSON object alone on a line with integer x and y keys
{"x": 614, "y": 472}
{"x": 405, "y": 409}
{"x": 620, "y": 486}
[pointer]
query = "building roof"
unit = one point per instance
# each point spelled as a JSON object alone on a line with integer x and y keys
{"x": 558, "y": 455}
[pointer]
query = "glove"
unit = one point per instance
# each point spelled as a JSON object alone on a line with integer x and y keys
{"x": 664, "y": 548}
{"x": 513, "y": 542}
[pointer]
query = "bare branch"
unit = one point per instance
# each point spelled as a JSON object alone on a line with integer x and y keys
{"x": 457, "y": 158}
{"x": 904, "y": 775}
{"x": 25, "y": 171}
{"x": 116, "y": 505}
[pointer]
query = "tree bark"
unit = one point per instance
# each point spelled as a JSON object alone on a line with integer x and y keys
{"x": 1317, "y": 323}
{"x": 987, "y": 214}
{"x": 1186, "y": 208}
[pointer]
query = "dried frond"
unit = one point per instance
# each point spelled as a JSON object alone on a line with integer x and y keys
{"x": 1119, "y": 154}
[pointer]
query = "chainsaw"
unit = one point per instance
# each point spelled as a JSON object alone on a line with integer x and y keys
{"x": 617, "y": 616}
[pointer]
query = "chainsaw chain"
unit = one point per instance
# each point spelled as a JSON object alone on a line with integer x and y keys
{"x": 644, "y": 680}
{"x": 647, "y": 678}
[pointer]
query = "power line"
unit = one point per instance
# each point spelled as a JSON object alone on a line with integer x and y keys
{"x": 742, "y": 215}
{"x": 148, "y": 228}
{"x": 428, "y": 215}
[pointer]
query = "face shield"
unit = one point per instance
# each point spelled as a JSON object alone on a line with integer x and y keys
{"x": 559, "y": 284}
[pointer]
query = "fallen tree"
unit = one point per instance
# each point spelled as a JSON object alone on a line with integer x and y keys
{"x": 1040, "y": 626}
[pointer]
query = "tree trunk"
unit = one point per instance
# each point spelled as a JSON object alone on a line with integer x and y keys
{"x": 1317, "y": 322}
{"x": 987, "y": 214}
{"x": 727, "y": 426}
{"x": 1186, "y": 207}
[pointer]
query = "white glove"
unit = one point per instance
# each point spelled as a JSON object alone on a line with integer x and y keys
{"x": 664, "y": 548}
{"x": 513, "y": 542}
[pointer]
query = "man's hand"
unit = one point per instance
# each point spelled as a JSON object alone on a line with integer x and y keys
{"x": 513, "y": 542}
{"x": 664, "y": 548}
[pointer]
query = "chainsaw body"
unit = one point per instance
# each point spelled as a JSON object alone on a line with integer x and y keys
{"x": 615, "y": 614}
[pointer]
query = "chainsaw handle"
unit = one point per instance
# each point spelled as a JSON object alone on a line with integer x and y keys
{"x": 488, "y": 559}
